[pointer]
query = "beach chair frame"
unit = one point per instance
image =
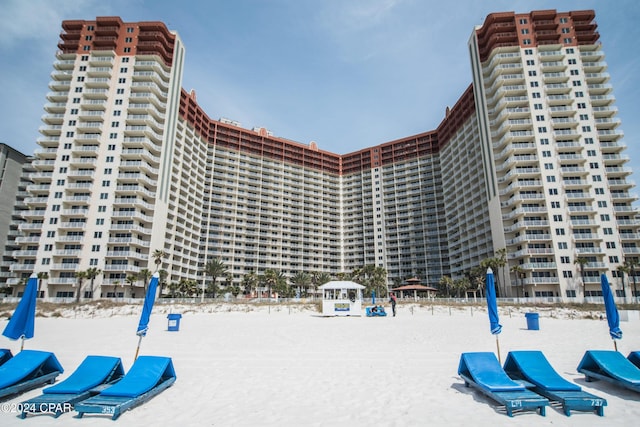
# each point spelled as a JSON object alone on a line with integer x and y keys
{"x": 533, "y": 367}
{"x": 482, "y": 371}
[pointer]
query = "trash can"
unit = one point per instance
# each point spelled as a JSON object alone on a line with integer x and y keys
{"x": 532, "y": 321}
{"x": 174, "y": 322}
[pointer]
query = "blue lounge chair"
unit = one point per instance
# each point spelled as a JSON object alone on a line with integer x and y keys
{"x": 148, "y": 376}
{"x": 483, "y": 372}
{"x": 91, "y": 376}
{"x": 27, "y": 370}
{"x": 534, "y": 368}
{"x": 375, "y": 310}
{"x": 5, "y": 354}
{"x": 634, "y": 357}
{"x": 610, "y": 366}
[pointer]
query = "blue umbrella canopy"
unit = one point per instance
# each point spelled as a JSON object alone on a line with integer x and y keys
{"x": 492, "y": 305}
{"x": 610, "y": 307}
{"x": 149, "y": 299}
{"x": 22, "y": 322}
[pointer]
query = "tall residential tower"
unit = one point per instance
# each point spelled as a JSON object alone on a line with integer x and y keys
{"x": 529, "y": 162}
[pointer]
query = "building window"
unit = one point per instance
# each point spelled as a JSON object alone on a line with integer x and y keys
{"x": 122, "y": 80}
{"x": 123, "y": 69}
{"x": 611, "y": 245}
{"x": 540, "y": 118}
{"x": 559, "y": 231}
{"x": 604, "y": 217}
{"x": 562, "y": 245}
{"x": 119, "y": 91}
{"x": 524, "y": 31}
{"x": 528, "y": 51}
{"x": 532, "y": 73}
{"x": 553, "y": 191}
{"x": 127, "y": 50}
{"x": 526, "y": 41}
{"x": 531, "y": 62}
{"x": 542, "y": 129}
{"x": 557, "y": 218}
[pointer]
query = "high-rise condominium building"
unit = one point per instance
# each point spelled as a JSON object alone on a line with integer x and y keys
{"x": 528, "y": 163}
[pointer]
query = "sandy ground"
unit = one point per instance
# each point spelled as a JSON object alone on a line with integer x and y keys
{"x": 278, "y": 366}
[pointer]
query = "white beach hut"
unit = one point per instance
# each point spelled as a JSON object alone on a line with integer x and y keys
{"x": 341, "y": 298}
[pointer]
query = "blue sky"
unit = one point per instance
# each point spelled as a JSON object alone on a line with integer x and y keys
{"x": 347, "y": 74}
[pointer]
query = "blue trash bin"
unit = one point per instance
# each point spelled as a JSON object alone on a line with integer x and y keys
{"x": 532, "y": 321}
{"x": 174, "y": 322}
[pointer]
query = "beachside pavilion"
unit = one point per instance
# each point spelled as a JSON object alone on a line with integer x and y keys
{"x": 414, "y": 289}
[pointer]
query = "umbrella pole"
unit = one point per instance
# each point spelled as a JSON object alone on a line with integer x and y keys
{"x": 22, "y": 343}
{"x": 138, "y": 349}
{"x": 498, "y": 347}
{"x": 615, "y": 345}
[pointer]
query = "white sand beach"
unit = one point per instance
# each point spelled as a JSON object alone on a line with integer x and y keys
{"x": 286, "y": 366}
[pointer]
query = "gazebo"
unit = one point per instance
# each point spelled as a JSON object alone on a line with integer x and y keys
{"x": 413, "y": 285}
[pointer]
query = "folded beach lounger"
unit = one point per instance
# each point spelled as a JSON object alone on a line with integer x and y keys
{"x": 634, "y": 357}
{"x": 93, "y": 375}
{"x": 610, "y": 366}
{"x": 148, "y": 376}
{"x": 534, "y": 368}
{"x": 5, "y": 354}
{"x": 483, "y": 372}
{"x": 27, "y": 370}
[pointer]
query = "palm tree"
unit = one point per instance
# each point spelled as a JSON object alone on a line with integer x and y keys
{"x": 131, "y": 280}
{"x": 80, "y": 275}
{"x": 493, "y": 263}
{"x": 162, "y": 280}
{"x": 379, "y": 279}
{"x": 582, "y": 261}
{"x": 157, "y": 256}
{"x": 250, "y": 280}
{"x": 501, "y": 262}
{"x": 145, "y": 276}
{"x": 214, "y": 269}
{"x": 517, "y": 270}
{"x": 42, "y": 276}
{"x": 632, "y": 263}
{"x": 448, "y": 284}
{"x": 302, "y": 281}
{"x": 270, "y": 278}
{"x": 92, "y": 273}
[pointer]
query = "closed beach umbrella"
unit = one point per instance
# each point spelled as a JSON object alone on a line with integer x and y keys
{"x": 149, "y": 299}
{"x": 21, "y": 325}
{"x": 492, "y": 308}
{"x": 613, "y": 319}
{"x": 373, "y": 297}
